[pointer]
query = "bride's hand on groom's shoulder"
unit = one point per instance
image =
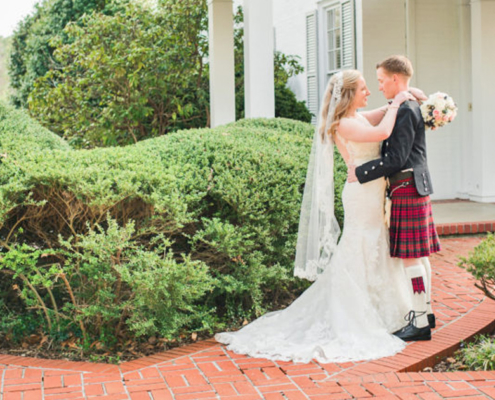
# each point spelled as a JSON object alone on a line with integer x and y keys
{"x": 351, "y": 173}
{"x": 401, "y": 97}
{"x": 418, "y": 94}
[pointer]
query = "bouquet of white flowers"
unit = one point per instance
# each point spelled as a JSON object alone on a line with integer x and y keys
{"x": 438, "y": 110}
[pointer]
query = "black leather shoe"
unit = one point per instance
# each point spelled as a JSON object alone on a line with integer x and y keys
{"x": 432, "y": 321}
{"x": 410, "y": 333}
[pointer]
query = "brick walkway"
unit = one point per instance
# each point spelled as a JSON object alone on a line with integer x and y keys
{"x": 206, "y": 370}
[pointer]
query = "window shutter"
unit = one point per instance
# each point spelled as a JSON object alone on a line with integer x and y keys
{"x": 312, "y": 63}
{"x": 347, "y": 35}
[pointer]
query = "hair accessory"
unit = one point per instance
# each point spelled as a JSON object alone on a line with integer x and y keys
{"x": 337, "y": 87}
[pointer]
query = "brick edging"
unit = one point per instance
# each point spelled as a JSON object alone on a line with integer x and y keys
{"x": 380, "y": 378}
{"x": 128, "y": 366}
{"x": 78, "y": 366}
{"x": 465, "y": 228}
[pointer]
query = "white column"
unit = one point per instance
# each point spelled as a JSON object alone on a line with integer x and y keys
{"x": 258, "y": 59}
{"x": 483, "y": 78}
{"x": 222, "y": 69}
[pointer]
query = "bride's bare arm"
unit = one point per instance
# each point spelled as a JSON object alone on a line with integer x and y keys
{"x": 375, "y": 116}
{"x": 351, "y": 129}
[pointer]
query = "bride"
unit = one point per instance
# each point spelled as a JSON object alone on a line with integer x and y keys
{"x": 361, "y": 294}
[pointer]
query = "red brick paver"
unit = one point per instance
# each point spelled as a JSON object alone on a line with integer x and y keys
{"x": 206, "y": 370}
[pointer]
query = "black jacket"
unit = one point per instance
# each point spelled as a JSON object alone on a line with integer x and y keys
{"x": 404, "y": 149}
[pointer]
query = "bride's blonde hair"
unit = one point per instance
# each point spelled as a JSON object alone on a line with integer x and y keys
{"x": 350, "y": 80}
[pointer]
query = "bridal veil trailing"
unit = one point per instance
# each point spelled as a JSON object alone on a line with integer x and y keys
{"x": 318, "y": 227}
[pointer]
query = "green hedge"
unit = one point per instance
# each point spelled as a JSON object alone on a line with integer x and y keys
{"x": 481, "y": 264}
{"x": 181, "y": 233}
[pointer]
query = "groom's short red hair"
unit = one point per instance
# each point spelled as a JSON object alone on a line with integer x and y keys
{"x": 397, "y": 65}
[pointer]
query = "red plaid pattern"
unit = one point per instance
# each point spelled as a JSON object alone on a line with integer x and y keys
{"x": 412, "y": 230}
{"x": 418, "y": 285}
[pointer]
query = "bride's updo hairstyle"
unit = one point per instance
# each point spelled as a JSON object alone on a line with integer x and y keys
{"x": 350, "y": 80}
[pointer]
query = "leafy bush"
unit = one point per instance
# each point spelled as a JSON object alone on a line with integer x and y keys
{"x": 481, "y": 263}
{"x": 175, "y": 234}
{"x": 101, "y": 282}
{"x": 287, "y": 105}
{"x": 479, "y": 355}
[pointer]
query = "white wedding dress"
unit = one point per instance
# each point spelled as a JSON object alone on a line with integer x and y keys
{"x": 348, "y": 314}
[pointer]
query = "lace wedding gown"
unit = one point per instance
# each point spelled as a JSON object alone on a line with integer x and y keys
{"x": 354, "y": 305}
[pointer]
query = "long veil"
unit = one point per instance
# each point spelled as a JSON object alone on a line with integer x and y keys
{"x": 318, "y": 228}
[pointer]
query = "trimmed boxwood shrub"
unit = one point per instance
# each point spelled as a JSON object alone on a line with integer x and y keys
{"x": 181, "y": 233}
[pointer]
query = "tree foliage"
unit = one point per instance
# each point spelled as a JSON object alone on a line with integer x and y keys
{"x": 141, "y": 72}
{"x": 129, "y": 76}
{"x": 32, "y": 51}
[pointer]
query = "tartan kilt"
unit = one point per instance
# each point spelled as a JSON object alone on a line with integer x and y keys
{"x": 412, "y": 230}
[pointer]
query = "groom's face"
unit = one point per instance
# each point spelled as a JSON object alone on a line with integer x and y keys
{"x": 386, "y": 83}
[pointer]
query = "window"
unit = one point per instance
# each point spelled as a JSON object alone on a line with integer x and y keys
{"x": 339, "y": 25}
{"x": 330, "y": 46}
{"x": 334, "y": 36}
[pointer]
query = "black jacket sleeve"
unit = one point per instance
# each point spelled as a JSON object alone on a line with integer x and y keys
{"x": 395, "y": 150}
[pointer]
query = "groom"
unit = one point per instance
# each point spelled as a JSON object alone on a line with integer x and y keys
{"x": 413, "y": 235}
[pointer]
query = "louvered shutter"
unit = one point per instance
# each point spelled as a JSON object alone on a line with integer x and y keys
{"x": 312, "y": 63}
{"x": 347, "y": 35}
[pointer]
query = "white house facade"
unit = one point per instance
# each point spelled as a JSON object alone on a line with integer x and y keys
{"x": 450, "y": 43}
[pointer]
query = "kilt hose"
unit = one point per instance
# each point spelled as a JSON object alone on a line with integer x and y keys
{"x": 412, "y": 230}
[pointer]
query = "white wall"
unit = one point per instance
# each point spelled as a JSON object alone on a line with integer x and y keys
{"x": 483, "y": 61}
{"x": 384, "y": 34}
{"x": 290, "y": 36}
{"x": 465, "y": 182}
{"x": 438, "y": 68}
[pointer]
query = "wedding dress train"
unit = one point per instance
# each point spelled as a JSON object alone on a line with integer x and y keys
{"x": 348, "y": 314}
